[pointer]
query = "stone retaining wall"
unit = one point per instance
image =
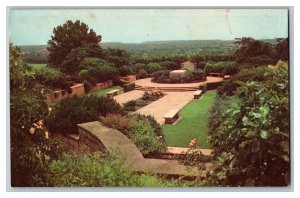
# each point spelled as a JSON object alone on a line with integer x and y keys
{"x": 77, "y": 89}
{"x": 129, "y": 79}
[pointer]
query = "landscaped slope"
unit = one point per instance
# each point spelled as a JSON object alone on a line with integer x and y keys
{"x": 193, "y": 123}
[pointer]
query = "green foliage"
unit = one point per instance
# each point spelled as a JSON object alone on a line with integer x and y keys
{"x": 99, "y": 170}
{"x": 213, "y": 85}
{"x": 188, "y": 77}
{"x": 20, "y": 74}
{"x": 228, "y": 88}
{"x": 69, "y": 36}
{"x": 161, "y": 76}
{"x": 71, "y": 111}
{"x": 151, "y": 120}
{"x": 199, "y": 75}
{"x": 143, "y": 136}
{"x": 129, "y": 87}
{"x": 282, "y": 49}
{"x": 26, "y": 108}
{"x": 46, "y": 75}
{"x": 143, "y": 130}
{"x": 250, "y": 134}
{"x": 253, "y": 50}
{"x": 87, "y": 86}
{"x": 117, "y": 57}
{"x": 97, "y": 70}
{"x": 130, "y": 105}
{"x": 151, "y": 68}
{"x": 227, "y": 68}
{"x": 203, "y": 87}
{"x": 116, "y": 121}
{"x": 141, "y": 74}
{"x": 170, "y": 65}
{"x": 125, "y": 71}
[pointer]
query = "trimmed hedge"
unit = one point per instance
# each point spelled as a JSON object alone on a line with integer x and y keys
{"x": 210, "y": 86}
{"x": 203, "y": 87}
{"x": 129, "y": 87}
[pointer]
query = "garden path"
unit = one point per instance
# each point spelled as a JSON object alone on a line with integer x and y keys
{"x": 131, "y": 95}
{"x": 172, "y": 100}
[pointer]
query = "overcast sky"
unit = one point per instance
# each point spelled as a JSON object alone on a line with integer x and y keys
{"x": 34, "y": 27}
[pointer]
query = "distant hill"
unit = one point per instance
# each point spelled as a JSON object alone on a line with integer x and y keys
{"x": 34, "y": 52}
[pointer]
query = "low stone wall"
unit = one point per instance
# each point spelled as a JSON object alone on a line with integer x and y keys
{"x": 77, "y": 89}
{"x": 97, "y": 137}
{"x": 102, "y": 85}
{"x": 70, "y": 141}
{"x": 129, "y": 79}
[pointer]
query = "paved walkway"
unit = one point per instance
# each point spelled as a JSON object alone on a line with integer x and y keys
{"x": 113, "y": 140}
{"x": 131, "y": 95}
{"x": 182, "y": 150}
{"x": 172, "y": 100}
{"x": 146, "y": 82}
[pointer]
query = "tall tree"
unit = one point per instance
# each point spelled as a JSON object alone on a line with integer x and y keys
{"x": 282, "y": 49}
{"x": 249, "y": 48}
{"x": 68, "y": 36}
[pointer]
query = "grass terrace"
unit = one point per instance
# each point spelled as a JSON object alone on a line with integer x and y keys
{"x": 193, "y": 123}
{"x": 103, "y": 92}
{"x": 37, "y": 66}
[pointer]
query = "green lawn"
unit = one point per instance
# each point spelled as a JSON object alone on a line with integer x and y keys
{"x": 103, "y": 92}
{"x": 37, "y": 66}
{"x": 193, "y": 123}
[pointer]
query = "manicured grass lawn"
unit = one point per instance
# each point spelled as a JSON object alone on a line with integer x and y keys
{"x": 193, "y": 123}
{"x": 103, "y": 92}
{"x": 37, "y": 66}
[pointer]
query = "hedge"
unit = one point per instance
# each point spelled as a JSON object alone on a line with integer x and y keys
{"x": 129, "y": 87}
{"x": 210, "y": 86}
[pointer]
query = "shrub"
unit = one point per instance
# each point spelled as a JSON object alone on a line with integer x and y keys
{"x": 141, "y": 74}
{"x": 153, "y": 67}
{"x": 103, "y": 73}
{"x": 154, "y": 124}
{"x": 203, "y": 87}
{"x": 251, "y": 137}
{"x": 98, "y": 170}
{"x": 125, "y": 71}
{"x": 31, "y": 148}
{"x": 254, "y": 74}
{"x": 199, "y": 75}
{"x": 188, "y": 77}
{"x": 140, "y": 103}
{"x": 71, "y": 111}
{"x": 47, "y": 76}
{"x": 170, "y": 65}
{"x": 27, "y": 107}
{"x": 161, "y": 76}
{"x": 84, "y": 74}
{"x": 213, "y": 85}
{"x": 116, "y": 121}
{"x": 87, "y": 86}
{"x": 227, "y": 89}
{"x": 260, "y": 60}
{"x": 144, "y": 137}
{"x": 129, "y": 87}
{"x": 227, "y": 68}
{"x": 130, "y": 105}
